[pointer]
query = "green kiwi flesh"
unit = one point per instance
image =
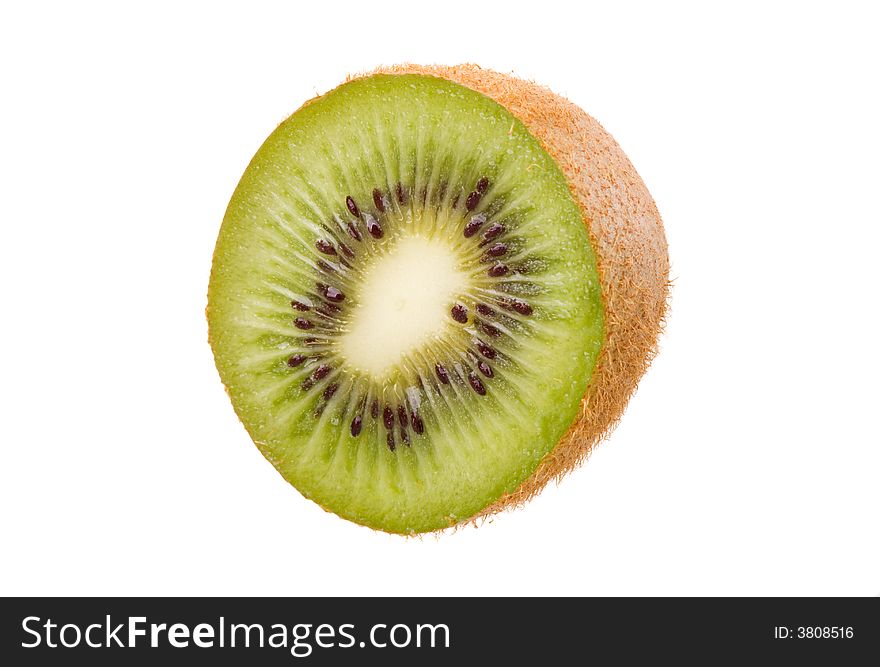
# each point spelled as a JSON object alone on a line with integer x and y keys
{"x": 404, "y": 305}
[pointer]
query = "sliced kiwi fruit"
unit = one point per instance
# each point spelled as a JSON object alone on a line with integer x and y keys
{"x": 433, "y": 291}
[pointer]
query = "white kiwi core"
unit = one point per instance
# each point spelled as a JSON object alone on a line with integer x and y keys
{"x": 404, "y": 300}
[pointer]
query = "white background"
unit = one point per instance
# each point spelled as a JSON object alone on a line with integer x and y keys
{"x": 747, "y": 463}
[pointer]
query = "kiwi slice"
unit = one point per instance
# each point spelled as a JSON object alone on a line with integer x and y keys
{"x": 406, "y": 306}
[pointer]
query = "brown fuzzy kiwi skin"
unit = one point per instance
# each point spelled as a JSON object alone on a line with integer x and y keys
{"x": 627, "y": 236}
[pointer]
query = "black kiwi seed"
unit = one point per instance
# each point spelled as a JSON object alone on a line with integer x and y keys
{"x": 388, "y": 418}
{"x": 485, "y": 350}
{"x": 374, "y": 408}
{"x": 493, "y": 231}
{"x": 472, "y": 200}
{"x": 489, "y": 329}
{"x": 404, "y": 436}
{"x": 346, "y": 250}
{"x": 355, "y": 211}
{"x": 325, "y": 246}
{"x": 497, "y": 250}
{"x": 417, "y": 424}
{"x": 482, "y": 185}
{"x": 320, "y": 372}
{"x": 522, "y": 307}
{"x": 474, "y": 224}
{"x": 379, "y": 200}
{"x": 296, "y": 360}
{"x": 299, "y": 305}
{"x": 390, "y": 440}
{"x": 330, "y": 390}
{"x": 373, "y": 226}
{"x": 459, "y": 313}
{"x": 302, "y": 323}
{"x": 401, "y": 193}
{"x": 517, "y": 305}
{"x": 498, "y": 270}
{"x": 401, "y": 415}
{"x": 485, "y": 369}
{"x": 442, "y": 375}
{"x": 333, "y": 294}
{"x": 484, "y": 310}
{"x": 325, "y": 267}
{"x": 475, "y": 383}
{"x": 356, "y": 424}
{"x": 353, "y": 232}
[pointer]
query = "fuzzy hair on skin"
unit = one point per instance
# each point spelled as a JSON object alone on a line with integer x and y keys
{"x": 627, "y": 236}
